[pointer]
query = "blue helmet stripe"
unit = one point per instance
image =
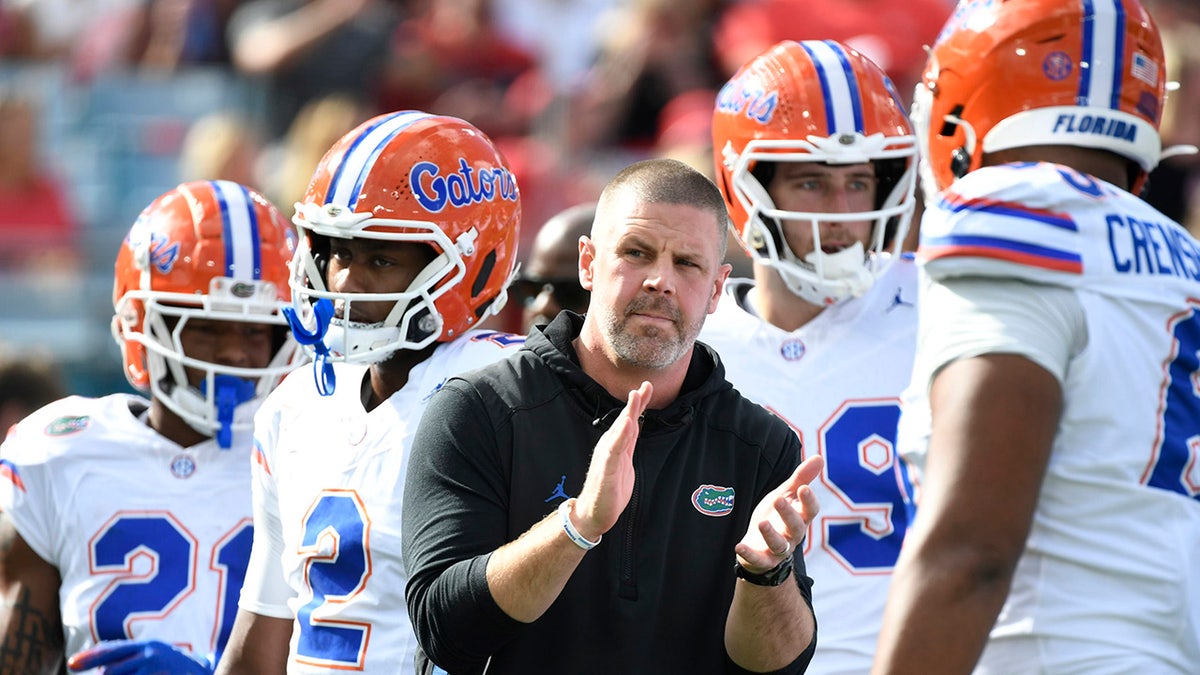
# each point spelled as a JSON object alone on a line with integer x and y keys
{"x": 356, "y": 164}
{"x": 1103, "y": 58}
{"x": 830, "y": 120}
{"x": 855, "y": 93}
{"x": 243, "y": 257}
{"x": 843, "y": 105}
{"x": 1086, "y": 57}
{"x": 1118, "y": 55}
{"x": 255, "y": 235}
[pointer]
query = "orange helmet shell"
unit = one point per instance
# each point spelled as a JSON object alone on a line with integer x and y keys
{"x": 205, "y": 249}
{"x": 413, "y": 176}
{"x": 1002, "y": 75}
{"x": 813, "y": 101}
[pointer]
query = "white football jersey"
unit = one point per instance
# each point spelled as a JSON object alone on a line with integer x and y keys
{"x": 1111, "y": 572}
{"x": 837, "y": 381}
{"x": 328, "y": 482}
{"x": 151, "y": 539}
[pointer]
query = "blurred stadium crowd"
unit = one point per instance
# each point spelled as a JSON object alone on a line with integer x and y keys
{"x": 105, "y": 104}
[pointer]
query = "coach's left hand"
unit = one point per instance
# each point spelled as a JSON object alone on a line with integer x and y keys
{"x": 780, "y": 520}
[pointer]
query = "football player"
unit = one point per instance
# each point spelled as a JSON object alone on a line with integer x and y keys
{"x": 408, "y": 236}
{"x": 1054, "y": 416}
{"x": 816, "y": 160}
{"x": 126, "y": 521}
{"x": 549, "y": 281}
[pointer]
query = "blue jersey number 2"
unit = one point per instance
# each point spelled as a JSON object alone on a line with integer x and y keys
{"x": 152, "y": 588}
{"x": 335, "y": 535}
{"x": 1176, "y": 464}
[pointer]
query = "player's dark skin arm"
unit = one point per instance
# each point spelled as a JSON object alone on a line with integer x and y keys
{"x": 258, "y": 645}
{"x": 30, "y": 622}
{"x": 994, "y": 421}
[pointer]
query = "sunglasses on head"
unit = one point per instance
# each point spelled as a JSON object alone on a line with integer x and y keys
{"x": 566, "y": 292}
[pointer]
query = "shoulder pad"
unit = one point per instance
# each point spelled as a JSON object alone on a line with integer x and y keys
{"x": 1013, "y": 220}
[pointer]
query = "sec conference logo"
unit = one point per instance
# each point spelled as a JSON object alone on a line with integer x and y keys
{"x": 792, "y": 350}
{"x": 183, "y": 466}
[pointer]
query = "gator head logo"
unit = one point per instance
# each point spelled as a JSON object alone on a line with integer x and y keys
{"x": 163, "y": 253}
{"x": 713, "y": 500}
{"x": 242, "y": 290}
{"x": 151, "y": 249}
{"x": 67, "y": 425}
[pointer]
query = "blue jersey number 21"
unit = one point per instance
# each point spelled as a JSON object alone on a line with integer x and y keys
{"x": 169, "y": 551}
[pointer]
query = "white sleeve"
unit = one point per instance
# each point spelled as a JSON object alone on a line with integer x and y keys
{"x": 265, "y": 590}
{"x": 27, "y": 486}
{"x": 964, "y": 317}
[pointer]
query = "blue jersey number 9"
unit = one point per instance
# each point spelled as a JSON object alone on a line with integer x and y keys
{"x": 861, "y": 468}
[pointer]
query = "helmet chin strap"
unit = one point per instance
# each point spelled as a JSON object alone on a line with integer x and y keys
{"x": 230, "y": 391}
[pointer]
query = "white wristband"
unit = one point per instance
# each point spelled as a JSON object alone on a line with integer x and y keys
{"x": 564, "y": 510}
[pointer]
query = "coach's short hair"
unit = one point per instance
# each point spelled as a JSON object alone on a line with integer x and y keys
{"x": 670, "y": 181}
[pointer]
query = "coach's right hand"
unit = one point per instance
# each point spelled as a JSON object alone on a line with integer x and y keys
{"x": 609, "y": 483}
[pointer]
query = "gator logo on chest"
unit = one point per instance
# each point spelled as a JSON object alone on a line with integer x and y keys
{"x": 67, "y": 425}
{"x": 713, "y": 500}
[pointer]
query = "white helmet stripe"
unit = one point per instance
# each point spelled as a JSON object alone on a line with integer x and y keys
{"x": 843, "y": 109}
{"x": 1103, "y": 53}
{"x": 347, "y": 181}
{"x": 242, "y": 255}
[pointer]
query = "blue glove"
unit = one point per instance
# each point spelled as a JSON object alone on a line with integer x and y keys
{"x": 139, "y": 657}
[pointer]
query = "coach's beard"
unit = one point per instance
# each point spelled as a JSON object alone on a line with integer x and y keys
{"x": 650, "y": 347}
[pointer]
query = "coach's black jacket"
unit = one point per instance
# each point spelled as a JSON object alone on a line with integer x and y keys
{"x": 499, "y": 448}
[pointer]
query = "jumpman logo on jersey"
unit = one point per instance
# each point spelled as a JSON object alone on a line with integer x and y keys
{"x": 898, "y": 301}
{"x": 436, "y": 389}
{"x": 558, "y": 490}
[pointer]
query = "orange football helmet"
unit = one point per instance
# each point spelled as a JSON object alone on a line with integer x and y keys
{"x": 1011, "y": 74}
{"x": 814, "y": 101}
{"x": 410, "y": 176}
{"x": 205, "y": 249}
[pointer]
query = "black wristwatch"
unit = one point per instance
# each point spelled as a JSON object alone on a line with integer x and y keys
{"x": 773, "y": 577}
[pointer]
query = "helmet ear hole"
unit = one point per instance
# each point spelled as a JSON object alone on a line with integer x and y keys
{"x": 320, "y": 247}
{"x": 485, "y": 273}
{"x": 948, "y": 127}
{"x": 960, "y": 162}
{"x": 763, "y": 172}
{"x": 420, "y": 327}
